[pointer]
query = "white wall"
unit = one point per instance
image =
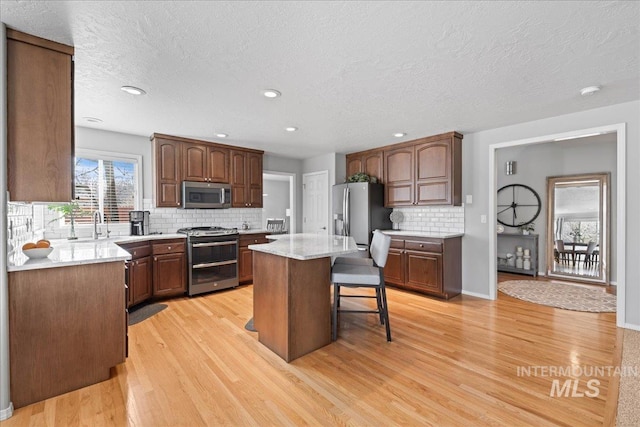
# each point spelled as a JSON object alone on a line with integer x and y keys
{"x": 475, "y": 257}
{"x": 535, "y": 162}
{"x": 5, "y": 398}
{"x": 120, "y": 143}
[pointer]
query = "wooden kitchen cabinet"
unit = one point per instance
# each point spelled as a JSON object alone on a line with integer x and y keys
{"x": 169, "y": 268}
{"x": 394, "y": 268}
{"x": 205, "y": 163}
{"x": 370, "y": 162}
{"x": 178, "y": 159}
{"x": 426, "y": 171}
{"x": 67, "y": 328}
{"x": 167, "y": 172}
{"x": 246, "y": 179}
{"x": 40, "y": 125}
{"x": 428, "y": 265}
{"x": 245, "y": 255}
{"x": 139, "y": 272}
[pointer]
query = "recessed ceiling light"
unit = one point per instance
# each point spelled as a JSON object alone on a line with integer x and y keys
{"x": 93, "y": 119}
{"x": 271, "y": 93}
{"x": 291, "y": 129}
{"x": 586, "y": 91}
{"x": 221, "y": 135}
{"x": 133, "y": 90}
{"x": 399, "y": 134}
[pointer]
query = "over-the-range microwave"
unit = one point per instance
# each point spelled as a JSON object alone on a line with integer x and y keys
{"x": 205, "y": 195}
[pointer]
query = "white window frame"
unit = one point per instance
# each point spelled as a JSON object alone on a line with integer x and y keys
{"x": 136, "y": 159}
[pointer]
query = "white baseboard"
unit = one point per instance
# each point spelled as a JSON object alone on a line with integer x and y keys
{"x": 475, "y": 294}
{"x": 632, "y": 326}
{"x": 6, "y": 413}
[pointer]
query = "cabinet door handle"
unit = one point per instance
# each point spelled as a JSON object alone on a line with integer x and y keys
{"x": 421, "y": 245}
{"x": 169, "y": 247}
{"x": 135, "y": 252}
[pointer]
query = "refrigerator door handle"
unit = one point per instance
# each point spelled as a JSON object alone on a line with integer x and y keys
{"x": 347, "y": 209}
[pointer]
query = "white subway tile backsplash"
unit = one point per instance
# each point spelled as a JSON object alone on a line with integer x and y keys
{"x": 433, "y": 219}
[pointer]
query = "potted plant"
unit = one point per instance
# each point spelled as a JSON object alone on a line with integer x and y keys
{"x": 67, "y": 210}
{"x": 576, "y": 233}
{"x": 527, "y": 228}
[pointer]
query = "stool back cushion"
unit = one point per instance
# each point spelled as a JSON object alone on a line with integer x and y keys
{"x": 380, "y": 248}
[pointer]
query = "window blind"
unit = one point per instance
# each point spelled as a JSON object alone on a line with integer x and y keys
{"x": 104, "y": 185}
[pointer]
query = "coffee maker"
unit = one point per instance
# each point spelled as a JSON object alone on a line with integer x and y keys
{"x": 139, "y": 222}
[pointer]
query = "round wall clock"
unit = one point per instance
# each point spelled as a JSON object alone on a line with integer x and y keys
{"x": 518, "y": 205}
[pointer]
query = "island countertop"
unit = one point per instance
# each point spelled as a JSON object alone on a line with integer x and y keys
{"x": 305, "y": 246}
{"x": 83, "y": 251}
{"x": 433, "y": 235}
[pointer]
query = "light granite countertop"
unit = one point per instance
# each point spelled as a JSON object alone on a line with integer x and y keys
{"x": 422, "y": 234}
{"x": 82, "y": 251}
{"x": 307, "y": 246}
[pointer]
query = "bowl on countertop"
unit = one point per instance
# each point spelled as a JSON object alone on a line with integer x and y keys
{"x": 37, "y": 253}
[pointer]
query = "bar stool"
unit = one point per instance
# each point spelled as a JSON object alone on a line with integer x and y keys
{"x": 363, "y": 273}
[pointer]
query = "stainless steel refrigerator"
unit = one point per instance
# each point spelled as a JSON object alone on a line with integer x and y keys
{"x": 358, "y": 209}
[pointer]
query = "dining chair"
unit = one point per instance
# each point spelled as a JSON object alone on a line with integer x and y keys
{"x": 363, "y": 273}
{"x": 590, "y": 257}
{"x": 563, "y": 254}
{"x": 275, "y": 225}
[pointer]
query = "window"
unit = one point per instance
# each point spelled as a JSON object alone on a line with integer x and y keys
{"x": 108, "y": 183}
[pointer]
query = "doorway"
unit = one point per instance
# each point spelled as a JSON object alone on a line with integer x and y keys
{"x": 620, "y": 261}
{"x": 279, "y": 199}
{"x": 315, "y": 206}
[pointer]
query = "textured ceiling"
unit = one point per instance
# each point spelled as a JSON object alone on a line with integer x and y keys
{"x": 351, "y": 73}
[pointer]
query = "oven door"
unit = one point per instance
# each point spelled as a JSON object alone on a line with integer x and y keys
{"x": 213, "y": 265}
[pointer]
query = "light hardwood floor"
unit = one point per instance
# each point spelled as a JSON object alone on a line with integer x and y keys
{"x": 450, "y": 363}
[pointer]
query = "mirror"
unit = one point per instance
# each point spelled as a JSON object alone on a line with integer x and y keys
{"x": 578, "y": 227}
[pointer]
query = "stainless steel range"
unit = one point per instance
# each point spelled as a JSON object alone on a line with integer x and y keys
{"x": 212, "y": 254}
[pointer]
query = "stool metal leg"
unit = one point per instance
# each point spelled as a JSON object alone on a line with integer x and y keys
{"x": 334, "y": 312}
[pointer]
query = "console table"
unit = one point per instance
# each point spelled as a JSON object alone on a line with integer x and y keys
{"x": 508, "y": 242}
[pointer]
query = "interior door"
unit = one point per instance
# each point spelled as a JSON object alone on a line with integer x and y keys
{"x": 315, "y": 202}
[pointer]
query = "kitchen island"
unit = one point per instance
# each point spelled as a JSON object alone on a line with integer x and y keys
{"x": 291, "y": 291}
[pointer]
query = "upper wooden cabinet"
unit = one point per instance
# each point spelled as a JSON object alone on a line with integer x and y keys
{"x": 179, "y": 159}
{"x": 40, "y": 129}
{"x": 167, "y": 172}
{"x": 204, "y": 162}
{"x": 426, "y": 171}
{"x": 369, "y": 162}
{"x": 246, "y": 179}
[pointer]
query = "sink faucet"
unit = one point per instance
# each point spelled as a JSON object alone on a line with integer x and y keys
{"x": 96, "y": 219}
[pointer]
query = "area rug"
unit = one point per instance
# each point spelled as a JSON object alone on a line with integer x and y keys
{"x": 629, "y": 391}
{"x": 144, "y": 312}
{"x": 560, "y": 295}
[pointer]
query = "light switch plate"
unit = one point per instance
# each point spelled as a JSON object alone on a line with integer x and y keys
{"x": 483, "y": 219}
{"x": 469, "y": 199}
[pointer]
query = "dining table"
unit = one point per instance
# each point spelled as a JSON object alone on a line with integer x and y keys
{"x": 576, "y": 249}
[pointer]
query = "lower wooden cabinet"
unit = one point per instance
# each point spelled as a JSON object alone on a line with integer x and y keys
{"x": 140, "y": 280}
{"x": 431, "y": 266}
{"x": 67, "y": 328}
{"x": 139, "y": 272}
{"x": 169, "y": 268}
{"x": 157, "y": 269}
{"x": 245, "y": 255}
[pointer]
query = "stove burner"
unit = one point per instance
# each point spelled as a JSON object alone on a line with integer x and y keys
{"x": 207, "y": 231}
